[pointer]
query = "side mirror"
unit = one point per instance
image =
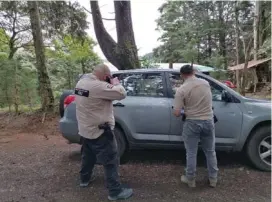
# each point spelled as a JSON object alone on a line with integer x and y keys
{"x": 226, "y": 96}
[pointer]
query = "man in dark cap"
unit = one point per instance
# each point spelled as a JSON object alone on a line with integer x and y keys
{"x": 195, "y": 98}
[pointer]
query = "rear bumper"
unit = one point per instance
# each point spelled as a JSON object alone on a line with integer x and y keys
{"x": 69, "y": 130}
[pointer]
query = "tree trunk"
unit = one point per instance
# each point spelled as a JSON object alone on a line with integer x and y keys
{"x": 69, "y": 79}
{"x": 209, "y": 45}
{"x": 247, "y": 49}
{"x": 7, "y": 93}
{"x": 122, "y": 54}
{"x": 16, "y": 90}
{"x": 222, "y": 35}
{"x": 256, "y": 42}
{"x": 83, "y": 67}
{"x": 29, "y": 99}
{"x": 11, "y": 52}
{"x": 170, "y": 65}
{"x": 237, "y": 47}
{"x": 46, "y": 92}
{"x": 12, "y": 48}
{"x": 125, "y": 36}
{"x": 264, "y": 21}
{"x": 256, "y": 29}
{"x": 198, "y": 52}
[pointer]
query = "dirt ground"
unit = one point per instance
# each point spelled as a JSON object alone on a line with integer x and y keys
{"x": 36, "y": 164}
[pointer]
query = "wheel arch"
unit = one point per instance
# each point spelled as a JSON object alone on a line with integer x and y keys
{"x": 256, "y": 127}
{"x": 118, "y": 125}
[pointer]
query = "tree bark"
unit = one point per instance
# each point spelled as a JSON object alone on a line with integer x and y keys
{"x": 122, "y": 54}
{"x": 222, "y": 35}
{"x": 69, "y": 79}
{"x": 46, "y": 92}
{"x": 16, "y": 89}
{"x": 83, "y": 67}
{"x": 7, "y": 93}
{"x": 170, "y": 65}
{"x": 237, "y": 46}
{"x": 247, "y": 49}
{"x": 264, "y": 21}
{"x": 256, "y": 29}
{"x": 256, "y": 42}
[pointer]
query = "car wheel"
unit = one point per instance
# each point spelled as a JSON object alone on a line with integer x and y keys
{"x": 121, "y": 142}
{"x": 259, "y": 148}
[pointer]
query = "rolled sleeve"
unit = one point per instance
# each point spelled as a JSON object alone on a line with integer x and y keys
{"x": 179, "y": 100}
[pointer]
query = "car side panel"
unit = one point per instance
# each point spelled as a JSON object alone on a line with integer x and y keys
{"x": 147, "y": 118}
{"x": 249, "y": 122}
{"x": 68, "y": 124}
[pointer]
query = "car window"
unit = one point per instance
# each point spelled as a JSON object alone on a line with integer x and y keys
{"x": 143, "y": 84}
{"x": 216, "y": 89}
{"x": 175, "y": 81}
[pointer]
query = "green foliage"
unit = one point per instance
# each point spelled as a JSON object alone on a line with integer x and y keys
{"x": 148, "y": 61}
{"x": 69, "y": 58}
{"x": 18, "y": 73}
{"x": 4, "y": 38}
{"x": 265, "y": 49}
{"x": 202, "y": 31}
{"x": 69, "y": 51}
{"x": 64, "y": 62}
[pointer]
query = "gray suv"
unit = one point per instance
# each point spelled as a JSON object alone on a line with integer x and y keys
{"x": 144, "y": 118}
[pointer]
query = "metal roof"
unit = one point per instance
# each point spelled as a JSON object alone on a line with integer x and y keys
{"x": 251, "y": 64}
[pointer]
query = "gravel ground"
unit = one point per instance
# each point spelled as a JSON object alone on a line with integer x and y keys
{"x": 36, "y": 164}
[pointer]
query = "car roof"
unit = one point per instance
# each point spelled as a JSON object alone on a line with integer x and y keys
{"x": 144, "y": 70}
{"x": 150, "y": 70}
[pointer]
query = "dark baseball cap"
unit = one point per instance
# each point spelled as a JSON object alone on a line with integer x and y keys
{"x": 186, "y": 69}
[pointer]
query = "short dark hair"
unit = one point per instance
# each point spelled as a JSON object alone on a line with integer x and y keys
{"x": 186, "y": 69}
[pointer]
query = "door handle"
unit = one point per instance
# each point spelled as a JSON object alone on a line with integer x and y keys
{"x": 118, "y": 104}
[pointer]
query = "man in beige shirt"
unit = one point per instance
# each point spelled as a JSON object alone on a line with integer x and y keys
{"x": 195, "y": 98}
{"x": 94, "y": 95}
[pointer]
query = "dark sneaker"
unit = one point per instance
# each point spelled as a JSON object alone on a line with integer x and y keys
{"x": 85, "y": 182}
{"x": 213, "y": 182}
{"x": 124, "y": 194}
{"x": 190, "y": 183}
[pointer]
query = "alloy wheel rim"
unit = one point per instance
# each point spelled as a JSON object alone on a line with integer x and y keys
{"x": 265, "y": 150}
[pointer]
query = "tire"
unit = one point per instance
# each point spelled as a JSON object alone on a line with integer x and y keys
{"x": 61, "y": 102}
{"x": 254, "y": 148}
{"x": 121, "y": 142}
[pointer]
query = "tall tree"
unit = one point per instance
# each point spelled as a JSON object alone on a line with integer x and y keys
{"x": 46, "y": 92}
{"x": 202, "y": 30}
{"x": 256, "y": 31}
{"x": 237, "y": 43}
{"x": 14, "y": 20}
{"x": 123, "y": 53}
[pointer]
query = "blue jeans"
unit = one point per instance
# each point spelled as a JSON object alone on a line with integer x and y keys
{"x": 102, "y": 150}
{"x": 203, "y": 131}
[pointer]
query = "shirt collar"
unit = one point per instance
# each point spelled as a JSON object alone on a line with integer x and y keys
{"x": 190, "y": 79}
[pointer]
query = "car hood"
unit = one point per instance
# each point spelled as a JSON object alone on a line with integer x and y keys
{"x": 248, "y": 99}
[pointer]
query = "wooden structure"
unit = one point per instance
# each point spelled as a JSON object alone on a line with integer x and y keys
{"x": 259, "y": 70}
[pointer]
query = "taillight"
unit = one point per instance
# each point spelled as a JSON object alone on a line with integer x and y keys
{"x": 68, "y": 100}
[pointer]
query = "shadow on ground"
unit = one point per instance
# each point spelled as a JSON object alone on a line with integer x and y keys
{"x": 232, "y": 159}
